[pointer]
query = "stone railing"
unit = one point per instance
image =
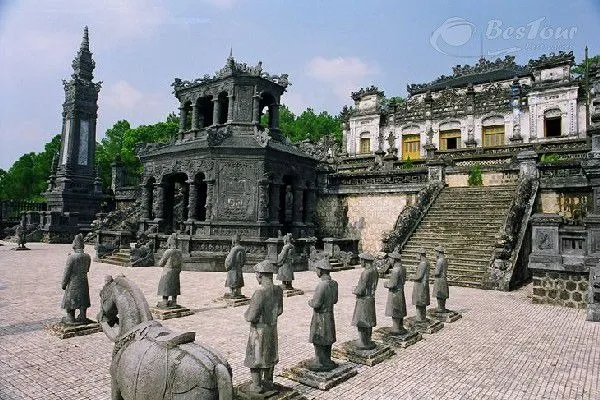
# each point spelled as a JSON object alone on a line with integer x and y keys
{"x": 411, "y": 216}
{"x": 507, "y": 264}
{"x": 10, "y": 210}
{"x": 396, "y": 177}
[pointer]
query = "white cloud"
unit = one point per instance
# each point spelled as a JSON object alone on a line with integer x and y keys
{"x": 221, "y": 3}
{"x": 296, "y": 102}
{"x": 122, "y": 95}
{"x": 343, "y": 74}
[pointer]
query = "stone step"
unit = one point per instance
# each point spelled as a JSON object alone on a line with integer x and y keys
{"x": 470, "y": 237}
{"x": 413, "y": 258}
{"x": 108, "y": 260}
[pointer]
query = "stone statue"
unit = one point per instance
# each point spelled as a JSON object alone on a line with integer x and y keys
{"x": 285, "y": 261}
{"x": 21, "y": 235}
{"x": 396, "y": 303}
{"x": 151, "y": 362}
{"x": 75, "y": 284}
{"x": 171, "y": 263}
{"x": 364, "y": 317}
{"x": 440, "y": 286}
{"x": 265, "y": 306}
{"x": 233, "y": 265}
{"x": 322, "y": 325}
{"x": 420, "y": 295}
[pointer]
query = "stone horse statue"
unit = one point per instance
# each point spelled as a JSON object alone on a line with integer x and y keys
{"x": 150, "y": 362}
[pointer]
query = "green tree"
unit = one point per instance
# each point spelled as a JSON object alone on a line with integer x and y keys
{"x": 579, "y": 69}
{"x": 307, "y": 125}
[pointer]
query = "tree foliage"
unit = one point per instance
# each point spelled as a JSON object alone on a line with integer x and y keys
{"x": 27, "y": 178}
{"x": 579, "y": 69}
{"x": 308, "y": 125}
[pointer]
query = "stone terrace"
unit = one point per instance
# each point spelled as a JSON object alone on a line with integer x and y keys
{"x": 503, "y": 348}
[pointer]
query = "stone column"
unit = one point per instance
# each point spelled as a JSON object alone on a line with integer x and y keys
{"x": 215, "y": 101}
{"x": 255, "y": 107}
{"x": 230, "y": 98}
{"x": 210, "y": 183}
{"x": 159, "y": 200}
{"x": 274, "y": 203}
{"x": 192, "y": 200}
{"x": 298, "y": 210}
{"x": 311, "y": 203}
{"x": 275, "y": 116}
{"x": 146, "y": 201}
{"x": 263, "y": 200}
{"x": 527, "y": 163}
{"x": 182, "y": 118}
{"x": 195, "y": 116}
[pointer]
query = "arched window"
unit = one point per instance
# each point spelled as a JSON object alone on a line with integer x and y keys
{"x": 223, "y": 108}
{"x": 205, "y": 112}
{"x": 411, "y": 142}
{"x": 268, "y": 107}
{"x": 365, "y": 143}
{"x": 450, "y": 135}
{"x": 492, "y": 131}
{"x": 187, "y": 116}
{"x": 552, "y": 123}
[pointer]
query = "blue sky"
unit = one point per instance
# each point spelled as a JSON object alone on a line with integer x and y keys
{"x": 328, "y": 48}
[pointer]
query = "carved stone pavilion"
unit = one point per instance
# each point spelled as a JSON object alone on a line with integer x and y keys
{"x": 229, "y": 170}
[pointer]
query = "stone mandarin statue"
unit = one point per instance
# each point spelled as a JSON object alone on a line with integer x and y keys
{"x": 322, "y": 325}
{"x": 364, "y": 317}
{"x": 233, "y": 265}
{"x": 440, "y": 286}
{"x": 420, "y": 295}
{"x": 266, "y": 305}
{"x": 75, "y": 284}
{"x": 396, "y": 302}
{"x": 285, "y": 261}
{"x": 171, "y": 263}
{"x": 21, "y": 235}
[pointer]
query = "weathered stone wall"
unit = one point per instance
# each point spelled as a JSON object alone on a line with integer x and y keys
{"x": 567, "y": 289}
{"x": 373, "y": 216}
{"x": 331, "y": 218}
{"x": 489, "y": 179}
{"x": 566, "y": 204}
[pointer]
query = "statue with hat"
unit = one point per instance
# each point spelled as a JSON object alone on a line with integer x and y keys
{"x": 285, "y": 261}
{"x": 75, "y": 284}
{"x": 233, "y": 265}
{"x": 440, "y": 285}
{"x": 171, "y": 263}
{"x": 266, "y": 305}
{"x": 364, "y": 317}
{"x": 420, "y": 294}
{"x": 396, "y": 302}
{"x": 322, "y": 325}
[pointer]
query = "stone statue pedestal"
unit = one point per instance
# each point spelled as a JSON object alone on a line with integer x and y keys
{"x": 278, "y": 392}
{"x": 170, "y": 312}
{"x": 67, "y": 330}
{"x": 429, "y": 326}
{"x": 233, "y": 301}
{"x": 20, "y": 248}
{"x": 347, "y": 351}
{"x": 292, "y": 292}
{"x": 444, "y": 316}
{"x": 404, "y": 340}
{"x": 320, "y": 380}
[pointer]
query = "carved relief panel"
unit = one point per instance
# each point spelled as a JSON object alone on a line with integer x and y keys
{"x": 237, "y": 191}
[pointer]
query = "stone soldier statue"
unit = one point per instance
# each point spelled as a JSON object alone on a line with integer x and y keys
{"x": 322, "y": 325}
{"x": 75, "y": 283}
{"x": 285, "y": 261}
{"x": 233, "y": 265}
{"x": 168, "y": 285}
{"x": 265, "y": 306}
{"x": 396, "y": 302}
{"x": 440, "y": 286}
{"x": 420, "y": 295}
{"x": 364, "y": 317}
{"x": 21, "y": 235}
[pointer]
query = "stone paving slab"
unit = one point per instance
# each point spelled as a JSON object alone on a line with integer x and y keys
{"x": 504, "y": 347}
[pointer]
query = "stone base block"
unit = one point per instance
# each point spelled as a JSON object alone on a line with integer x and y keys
{"x": 233, "y": 301}
{"x": 444, "y": 316}
{"x": 20, "y": 248}
{"x": 429, "y": 326}
{"x": 292, "y": 292}
{"x": 386, "y": 336}
{"x": 66, "y": 330}
{"x": 279, "y": 392}
{"x": 168, "y": 313}
{"x": 319, "y": 380}
{"x": 593, "y": 313}
{"x": 347, "y": 351}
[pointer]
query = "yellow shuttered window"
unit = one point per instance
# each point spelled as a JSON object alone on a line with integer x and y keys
{"x": 493, "y": 135}
{"x": 450, "y": 139}
{"x": 411, "y": 147}
{"x": 365, "y": 145}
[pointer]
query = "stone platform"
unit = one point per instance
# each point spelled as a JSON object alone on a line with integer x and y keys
{"x": 386, "y": 336}
{"x": 171, "y": 312}
{"x": 347, "y": 351}
{"x": 444, "y": 316}
{"x": 66, "y": 330}
{"x": 233, "y": 301}
{"x": 430, "y": 326}
{"x": 319, "y": 380}
{"x": 279, "y": 392}
{"x": 292, "y": 292}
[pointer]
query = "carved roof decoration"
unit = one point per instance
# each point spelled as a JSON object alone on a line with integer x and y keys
{"x": 366, "y": 92}
{"x": 553, "y": 60}
{"x": 83, "y": 64}
{"x": 233, "y": 68}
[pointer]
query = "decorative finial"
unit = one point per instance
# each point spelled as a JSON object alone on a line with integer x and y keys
{"x": 231, "y": 52}
{"x": 85, "y": 43}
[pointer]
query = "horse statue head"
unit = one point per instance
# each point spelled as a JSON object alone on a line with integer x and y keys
{"x": 123, "y": 306}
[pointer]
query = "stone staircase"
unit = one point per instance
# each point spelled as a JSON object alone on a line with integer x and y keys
{"x": 121, "y": 257}
{"x": 464, "y": 221}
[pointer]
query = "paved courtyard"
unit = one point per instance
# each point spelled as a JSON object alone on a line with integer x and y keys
{"x": 504, "y": 347}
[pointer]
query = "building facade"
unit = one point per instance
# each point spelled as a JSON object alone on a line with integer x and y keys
{"x": 490, "y": 104}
